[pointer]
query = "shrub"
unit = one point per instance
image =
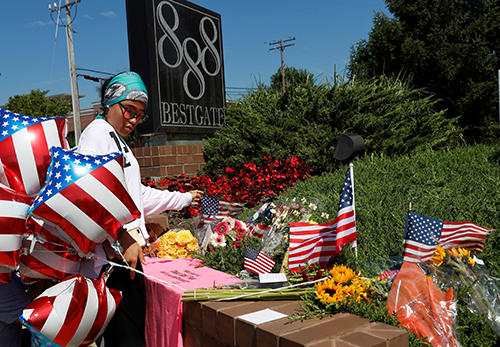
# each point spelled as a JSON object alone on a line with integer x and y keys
{"x": 307, "y": 118}
{"x": 249, "y": 185}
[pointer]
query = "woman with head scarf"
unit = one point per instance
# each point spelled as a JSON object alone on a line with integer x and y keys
{"x": 124, "y": 100}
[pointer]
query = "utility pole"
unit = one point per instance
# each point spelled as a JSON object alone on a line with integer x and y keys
{"x": 282, "y": 49}
{"x": 72, "y": 71}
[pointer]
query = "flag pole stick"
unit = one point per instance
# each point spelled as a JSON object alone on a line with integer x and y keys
{"x": 355, "y": 243}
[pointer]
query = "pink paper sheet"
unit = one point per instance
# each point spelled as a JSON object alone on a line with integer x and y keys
{"x": 163, "y": 302}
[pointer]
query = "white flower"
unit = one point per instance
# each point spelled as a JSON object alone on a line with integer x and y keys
{"x": 303, "y": 200}
{"x": 324, "y": 215}
{"x": 313, "y": 206}
{"x": 229, "y": 221}
{"x": 218, "y": 240}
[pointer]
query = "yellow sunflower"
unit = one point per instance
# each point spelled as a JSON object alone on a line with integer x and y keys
{"x": 329, "y": 291}
{"x": 438, "y": 257}
{"x": 342, "y": 274}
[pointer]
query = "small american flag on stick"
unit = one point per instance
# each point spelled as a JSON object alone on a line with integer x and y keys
{"x": 214, "y": 209}
{"x": 257, "y": 262}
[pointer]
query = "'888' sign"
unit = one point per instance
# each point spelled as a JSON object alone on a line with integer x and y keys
{"x": 189, "y": 47}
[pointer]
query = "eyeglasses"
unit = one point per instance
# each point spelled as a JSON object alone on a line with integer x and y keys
{"x": 129, "y": 113}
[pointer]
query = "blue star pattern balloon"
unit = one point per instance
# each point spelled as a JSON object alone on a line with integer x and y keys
{"x": 24, "y": 148}
{"x": 85, "y": 200}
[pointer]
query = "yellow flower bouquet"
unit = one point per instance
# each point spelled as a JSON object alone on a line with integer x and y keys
{"x": 174, "y": 244}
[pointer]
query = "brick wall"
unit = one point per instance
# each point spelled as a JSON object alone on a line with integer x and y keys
{"x": 169, "y": 161}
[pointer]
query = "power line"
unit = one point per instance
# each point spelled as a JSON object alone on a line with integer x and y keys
{"x": 282, "y": 49}
{"x": 96, "y": 71}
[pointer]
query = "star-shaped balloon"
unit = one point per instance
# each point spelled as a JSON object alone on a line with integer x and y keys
{"x": 24, "y": 148}
{"x": 85, "y": 200}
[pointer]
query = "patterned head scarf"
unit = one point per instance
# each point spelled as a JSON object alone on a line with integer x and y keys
{"x": 125, "y": 86}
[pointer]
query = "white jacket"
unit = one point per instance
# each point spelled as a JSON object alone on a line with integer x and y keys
{"x": 100, "y": 138}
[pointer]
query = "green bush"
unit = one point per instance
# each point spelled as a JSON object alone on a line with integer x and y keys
{"x": 307, "y": 119}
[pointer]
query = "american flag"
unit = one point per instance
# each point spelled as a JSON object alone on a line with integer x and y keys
{"x": 257, "y": 229}
{"x": 318, "y": 243}
{"x": 254, "y": 227}
{"x": 24, "y": 148}
{"x": 74, "y": 312}
{"x": 257, "y": 262}
{"x": 85, "y": 199}
{"x": 214, "y": 209}
{"x": 13, "y": 210}
{"x": 423, "y": 234}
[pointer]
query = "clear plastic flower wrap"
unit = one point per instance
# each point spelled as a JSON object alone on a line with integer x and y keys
{"x": 278, "y": 218}
{"x": 456, "y": 268}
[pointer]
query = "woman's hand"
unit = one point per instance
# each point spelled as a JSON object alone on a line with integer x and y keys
{"x": 196, "y": 196}
{"x": 132, "y": 252}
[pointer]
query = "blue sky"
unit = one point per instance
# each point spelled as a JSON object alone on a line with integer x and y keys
{"x": 33, "y": 58}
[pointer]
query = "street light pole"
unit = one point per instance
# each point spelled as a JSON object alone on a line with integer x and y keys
{"x": 72, "y": 70}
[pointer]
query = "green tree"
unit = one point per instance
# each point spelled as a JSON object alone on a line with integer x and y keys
{"x": 37, "y": 104}
{"x": 449, "y": 47}
{"x": 293, "y": 77}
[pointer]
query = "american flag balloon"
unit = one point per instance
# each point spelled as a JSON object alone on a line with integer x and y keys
{"x": 49, "y": 259}
{"x": 73, "y": 312}
{"x": 85, "y": 200}
{"x": 5, "y": 275}
{"x": 24, "y": 148}
{"x": 13, "y": 211}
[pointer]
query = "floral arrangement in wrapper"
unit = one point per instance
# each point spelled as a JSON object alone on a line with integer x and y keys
{"x": 456, "y": 268}
{"x": 173, "y": 245}
{"x": 228, "y": 231}
{"x": 277, "y": 219}
{"x": 224, "y": 241}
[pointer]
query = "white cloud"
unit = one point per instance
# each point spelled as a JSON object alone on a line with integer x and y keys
{"x": 41, "y": 23}
{"x": 108, "y": 14}
{"x": 86, "y": 16}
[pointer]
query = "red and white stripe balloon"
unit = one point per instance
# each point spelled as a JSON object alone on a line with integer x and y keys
{"x": 24, "y": 148}
{"x": 5, "y": 275}
{"x": 49, "y": 261}
{"x": 13, "y": 209}
{"x": 74, "y": 312}
{"x": 85, "y": 199}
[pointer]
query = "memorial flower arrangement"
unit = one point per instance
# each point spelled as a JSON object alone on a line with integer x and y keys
{"x": 228, "y": 231}
{"x": 174, "y": 244}
{"x": 276, "y": 219}
{"x": 457, "y": 268}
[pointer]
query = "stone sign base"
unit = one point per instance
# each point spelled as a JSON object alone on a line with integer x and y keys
{"x": 170, "y": 160}
{"x": 217, "y": 324}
